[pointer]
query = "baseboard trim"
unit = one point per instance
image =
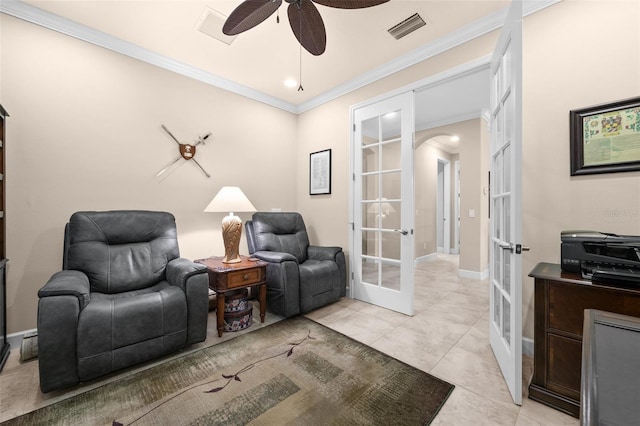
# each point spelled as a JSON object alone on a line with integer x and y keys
{"x": 425, "y": 258}
{"x": 474, "y": 275}
{"x": 527, "y": 347}
{"x": 15, "y": 339}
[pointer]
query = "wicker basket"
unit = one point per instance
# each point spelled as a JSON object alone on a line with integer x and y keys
{"x": 238, "y": 311}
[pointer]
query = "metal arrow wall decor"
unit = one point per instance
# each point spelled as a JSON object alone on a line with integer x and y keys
{"x": 187, "y": 152}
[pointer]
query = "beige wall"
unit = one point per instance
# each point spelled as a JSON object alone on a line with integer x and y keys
{"x": 84, "y": 134}
{"x": 576, "y": 54}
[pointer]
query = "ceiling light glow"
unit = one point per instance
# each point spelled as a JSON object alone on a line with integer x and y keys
{"x": 290, "y": 82}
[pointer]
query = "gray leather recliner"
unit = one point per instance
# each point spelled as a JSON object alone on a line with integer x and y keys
{"x": 300, "y": 277}
{"x": 124, "y": 296}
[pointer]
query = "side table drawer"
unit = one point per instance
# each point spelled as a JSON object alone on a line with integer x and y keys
{"x": 244, "y": 278}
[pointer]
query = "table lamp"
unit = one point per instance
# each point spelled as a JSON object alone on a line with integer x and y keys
{"x": 230, "y": 199}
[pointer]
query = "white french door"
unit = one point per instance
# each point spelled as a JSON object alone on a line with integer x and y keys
{"x": 506, "y": 202}
{"x": 383, "y": 203}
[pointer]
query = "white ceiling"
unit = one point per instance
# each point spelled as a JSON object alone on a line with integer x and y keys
{"x": 262, "y": 58}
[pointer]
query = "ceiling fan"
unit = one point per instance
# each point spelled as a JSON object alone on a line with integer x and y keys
{"x": 304, "y": 18}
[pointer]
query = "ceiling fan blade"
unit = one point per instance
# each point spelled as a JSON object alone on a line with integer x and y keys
{"x": 249, "y": 14}
{"x": 350, "y": 4}
{"x": 308, "y": 27}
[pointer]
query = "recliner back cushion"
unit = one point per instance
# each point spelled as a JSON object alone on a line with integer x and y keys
{"x": 283, "y": 232}
{"x": 121, "y": 250}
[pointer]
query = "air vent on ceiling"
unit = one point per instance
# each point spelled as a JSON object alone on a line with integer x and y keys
{"x": 211, "y": 24}
{"x": 407, "y": 26}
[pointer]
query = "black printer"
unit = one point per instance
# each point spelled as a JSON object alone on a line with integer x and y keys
{"x": 600, "y": 256}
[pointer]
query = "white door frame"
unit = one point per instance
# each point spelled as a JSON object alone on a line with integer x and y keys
{"x": 456, "y": 228}
{"x": 446, "y": 204}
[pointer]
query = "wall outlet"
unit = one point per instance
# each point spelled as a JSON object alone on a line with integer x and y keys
{"x": 472, "y": 213}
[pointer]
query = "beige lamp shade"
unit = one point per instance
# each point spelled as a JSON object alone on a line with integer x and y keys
{"x": 230, "y": 199}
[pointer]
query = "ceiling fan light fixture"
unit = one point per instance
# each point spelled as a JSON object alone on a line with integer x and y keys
{"x": 304, "y": 18}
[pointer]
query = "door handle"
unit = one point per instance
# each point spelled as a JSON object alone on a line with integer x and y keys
{"x": 518, "y": 248}
{"x": 402, "y": 231}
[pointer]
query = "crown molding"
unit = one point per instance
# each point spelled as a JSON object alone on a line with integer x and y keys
{"x": 463, "y": 35}
{"x": 54, "y": 22}
{"x": 62, "y": 25}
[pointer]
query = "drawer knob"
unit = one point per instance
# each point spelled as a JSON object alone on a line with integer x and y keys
{"x": 245, "y": 277}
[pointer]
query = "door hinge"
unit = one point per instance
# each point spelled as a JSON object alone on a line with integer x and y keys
{"x": 354, "y": 127}
{"x": 352, "y": 276}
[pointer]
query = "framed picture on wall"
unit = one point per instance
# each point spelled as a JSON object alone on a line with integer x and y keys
{"x": 320, "y": 172}
{"x": 605, "y": 138}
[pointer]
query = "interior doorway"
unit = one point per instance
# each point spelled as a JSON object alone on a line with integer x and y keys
{"x": 443, "y": 207}
{"x": 446, "y": 105}
{"x": 448, "y": 117}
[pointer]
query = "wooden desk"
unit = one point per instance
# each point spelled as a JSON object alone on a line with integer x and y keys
{"x": 560, "y": 301}
{"x": 224, "y": 277}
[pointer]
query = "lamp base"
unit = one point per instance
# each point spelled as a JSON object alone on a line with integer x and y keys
{"x": 231, "y": 233}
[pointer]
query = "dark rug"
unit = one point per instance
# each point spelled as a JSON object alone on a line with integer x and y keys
{"x": 294, "y": 372}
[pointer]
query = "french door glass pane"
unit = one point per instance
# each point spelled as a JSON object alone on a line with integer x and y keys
{"x": 370, "y": 244}
{"x": 507, "y": 169}
{"x": 497, "y": 269}
{"x": 506, "y": 272}
{"x": 371, "y": 131}
{"x": 370, "y": 190}
{"x": 506, "y": 321}
{"x": 370, "y": 161}
{"x": 391, "y": 159}
{"x": 496, "y": 308}
{"x": 497, "y": 215}
{"x": 507, "y": 218}
{"x": 391, "y": 185}
{"x": 497, "y": 179}
{"x": 391, "y": 245}
{"x": 391, "y": 276}
{"x": 370, "y": 271}
{"x": 391, "y": 125}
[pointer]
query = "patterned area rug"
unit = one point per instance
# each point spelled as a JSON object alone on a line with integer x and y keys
{"x": 294, "y": 372}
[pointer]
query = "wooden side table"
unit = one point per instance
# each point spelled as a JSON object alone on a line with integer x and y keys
{"x": 225, "y": 277}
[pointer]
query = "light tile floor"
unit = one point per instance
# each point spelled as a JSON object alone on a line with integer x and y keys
{"x": 447, "y": 337}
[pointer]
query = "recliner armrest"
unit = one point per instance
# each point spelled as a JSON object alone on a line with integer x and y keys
{"x": 68, "y": 283}
{"x": 274, "y": 256}
{"x": 323, "y": 253}
{"x": 179, "y": 270}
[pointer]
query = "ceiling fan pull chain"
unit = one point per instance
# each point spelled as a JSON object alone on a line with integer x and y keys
{"x": 300, "y": 88}
{"x": 278, "y": 16}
